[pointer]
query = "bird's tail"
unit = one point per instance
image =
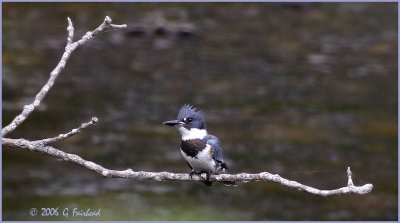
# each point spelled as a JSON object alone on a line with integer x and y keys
{"x": 226, "y": 183}
{"x": 229, "y": 183}
{"x": 207, "y": 183}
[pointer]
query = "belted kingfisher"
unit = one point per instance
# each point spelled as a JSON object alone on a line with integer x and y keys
{"x": 202, "y": 151}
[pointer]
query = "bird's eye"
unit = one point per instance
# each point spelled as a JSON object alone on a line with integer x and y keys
{"x": 187, "y": 120}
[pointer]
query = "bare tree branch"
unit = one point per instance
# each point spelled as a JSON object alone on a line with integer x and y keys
{"x": 70, "y": 30}
{"x": 159, "y": 176}
{"x": 71, "y": 46}
{"x": 42, "y": 146}
{"x": 69, "y": 134}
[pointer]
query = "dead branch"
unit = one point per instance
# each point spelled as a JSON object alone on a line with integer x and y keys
{"x": 71, "y": 46}
{"x": 39, "y": 146}
{"x": 69, "y": 134}
{"x": 42, "y": 146}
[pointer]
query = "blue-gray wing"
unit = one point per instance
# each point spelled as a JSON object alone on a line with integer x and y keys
{"x": 217, "y": 146}
{"x": 219, "y": 157}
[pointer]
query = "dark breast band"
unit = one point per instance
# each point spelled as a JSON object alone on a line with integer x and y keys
{"x": 192, "y": 147}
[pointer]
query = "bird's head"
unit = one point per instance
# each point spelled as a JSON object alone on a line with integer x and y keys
{"x": 188, "y": 117}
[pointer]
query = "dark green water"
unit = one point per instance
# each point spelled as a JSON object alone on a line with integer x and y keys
{"x": 301, "y": 90}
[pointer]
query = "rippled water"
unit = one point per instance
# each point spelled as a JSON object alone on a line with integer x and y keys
{"x": 301, "y": 90}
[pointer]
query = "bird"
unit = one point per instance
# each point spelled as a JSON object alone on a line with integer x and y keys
{"x": 202, "y": 151}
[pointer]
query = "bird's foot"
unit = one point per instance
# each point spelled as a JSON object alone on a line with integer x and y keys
{"x": 191, "y": 174}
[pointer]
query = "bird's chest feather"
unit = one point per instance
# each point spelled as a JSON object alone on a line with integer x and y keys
{"x": 199, "y": 155}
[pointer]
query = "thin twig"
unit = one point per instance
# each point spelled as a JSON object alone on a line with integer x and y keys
{"x": 69, "y": 134}
{"x": 70, "y": 30}
{"x": 71, "y": 46}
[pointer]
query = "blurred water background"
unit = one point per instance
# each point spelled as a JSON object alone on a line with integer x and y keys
{"x": 301, "y": 90}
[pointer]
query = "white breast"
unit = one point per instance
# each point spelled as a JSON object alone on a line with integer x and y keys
{"x": 192, "y": 133}
{"x": 203, "y": 162}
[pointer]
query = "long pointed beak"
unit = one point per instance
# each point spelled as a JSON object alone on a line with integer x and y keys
{"x": 173, "y": 123}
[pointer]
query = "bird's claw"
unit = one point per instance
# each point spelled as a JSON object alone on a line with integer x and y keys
{"x": 191, "y": 174}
